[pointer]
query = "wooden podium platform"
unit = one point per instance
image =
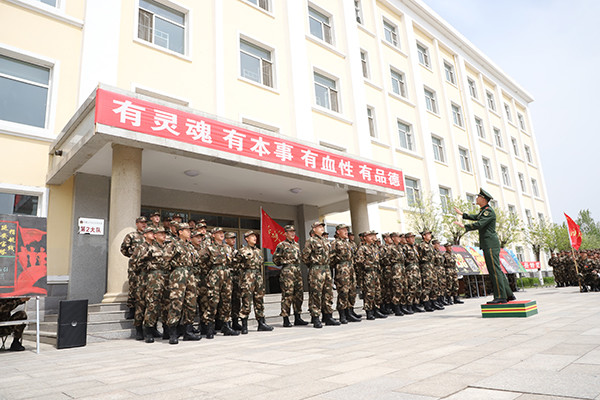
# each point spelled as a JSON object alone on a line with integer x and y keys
{"x": 519, "y": 309}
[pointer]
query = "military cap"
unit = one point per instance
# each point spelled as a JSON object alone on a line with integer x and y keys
{"x": 174, "y": 223}
{"x": 401, "y": 235}
{"x": 202, "y": 221}
{"x": 448, "y": 244}
{"x": 216, "y": 229}
{"x": 200, "y": 225}
{"x": 341, "y": 226}
{"x": 155, "y": 213}
{"x": 289, "y": 228}
{"x": 435, "y": 241}
{"x": 169, "y": 219}
{"x": 394, "y": 234}
{"x": 384, "y": 235}
{"x": 141, "y": 219}
{"x": 361, "y": 234}
{"x": 317, "y": 223}
{"x": 370, "y": 233}
{"x": 485, "y": 194}
{"x": 148, "y": 229}
{"x": 182, "y": 225}
{"x": 197, "y": 233}
{"x": 230, "y": 235}
{"x": 160, "y": 229}
{"x": 248, "y": 233}
{"x": 350, "y": 233}
{"x": 178, "y": 216}
{"x": 409, "y": 234}
{"x": 426, "y": 231}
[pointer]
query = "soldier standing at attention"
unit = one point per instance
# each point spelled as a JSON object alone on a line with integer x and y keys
{"x": 182, "y": 286}
{"x": 236, "y": 290}
{"x": 451, "y": 275}
{"x": 142, "y": 255}
{"x": 395, "y": 257}
{"x": 200, "y": 271}
{"x": 130, "y": 242}
{"x": 354, "y": 285}
{"x": 406, "y": 305}
{"x": 250, "y": 261}
{"x": 341, "y": 261}
{"x": 428, "y": 278}
{"x": 413, "y": 273}
{"x": 386, "y": 273}
{"x": 440, "y": 274}
{"x": 287, "y": 256}
{"x": 6, "y": 307}
{"x": 316, "y": 257}
{"x": 367, "y": 256}
{"x": 485, "y": 223}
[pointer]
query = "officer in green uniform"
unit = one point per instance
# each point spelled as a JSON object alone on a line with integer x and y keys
{"x": 485, "y": 223}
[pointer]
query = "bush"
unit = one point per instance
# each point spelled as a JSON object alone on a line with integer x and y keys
{"x": 549, "y": 280}
{"x": 527, "y": 282}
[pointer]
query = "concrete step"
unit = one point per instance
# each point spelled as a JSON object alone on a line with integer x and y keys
{"x": 102, "y": 307}
{"x": 45, "y": 337}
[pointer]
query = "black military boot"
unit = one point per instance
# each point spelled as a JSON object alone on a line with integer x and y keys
{"x": 418, "y": 308}
{"x": 350, "y": 317}
{"x": 155, "y": 332}
{"x": 210, "y": 331}
{"x": 227, "y": 330}
{"x": 427, "y": 306}
{"x": 130, "y": 313}
{"x": 378, "y": 314}
{"x": 173, "y": 335}
{"x": 189, "y": 335}
{"x": 329, "y": 320}
{"x": 436, "y": 305}
{"x": 398, "y": 310}
{"x": 235, "y": 324}
{"x": 370, "y": 316}
{"x": 165, "y": 334}
{"x": 262, "y": 325}
{"x": 139, "y": 333}
{"x": 203, "y": 328}
{"x": 244, "y": 326}
{"x": 354, "y": 314}
{"x": 343, "y": 319}
{"x": 298, "y": 321}
{"x": 286, "y": 322}
{"x": 457, "y": 300}
{"x": 406, "y": 309}
{"x": 148, "y": 335}
{"x": 180, "y": 330}
{"x": 16, "y": 345}
{"x": 316, "y": 322}
{"x": 442, "y": 300}
{"x": 449, "y": 300}
{"x": 218, "y": 324}
{"x": 389, "y": 309}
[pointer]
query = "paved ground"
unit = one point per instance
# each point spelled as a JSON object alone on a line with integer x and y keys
{"x": 450, "y": 354}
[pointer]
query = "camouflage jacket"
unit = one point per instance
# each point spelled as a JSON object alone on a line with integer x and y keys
{"x": 411, "y": 254}
{"x": 426, "y": 253}
{"x": 287, "y": 253}
{"x": 367, "y": 256}
{"x": 449, "y": 260}
{"x": 394, "y": 255}
{"x": 341, "y": 251}
{"x": 148, "y": 257}
{"x": 180, "y": 254}
{"x": 248, "y": 258}
{"x": 316, "y": 251}
{"x": 7, "y": 305}
{"x": 130, "y": 242}
{"x": 216, "y": 254}
{"x": 438, "y": 259}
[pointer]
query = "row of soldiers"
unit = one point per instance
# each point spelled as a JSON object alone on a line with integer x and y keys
{"x": 588, "y": 265}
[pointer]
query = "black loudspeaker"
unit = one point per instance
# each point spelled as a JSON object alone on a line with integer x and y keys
{"x": 72, "y": 323}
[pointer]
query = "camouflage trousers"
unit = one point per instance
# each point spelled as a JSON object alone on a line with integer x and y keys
{"x": 253, "y": 291}
{"x": 413, "y": 284}
{"x": 372, "y": 289}
{"x": 16, "y": 330}
{"x": 139, "y": 298}
{"x": 132, "y": 278}
{"x": 387, "y": 286}
{"x": 182, "y": 297}
{"x": 154, "y": 295}
{"x": 353, "y": 287}
{"x": 344, "y": 283}
{"x": 320, "y": 290}
{"x": 428, "y": 282}
{"x": 440, "y": 273}
{"x": 398, "y": 284}
{"x": 451, "y": 282}
{"x": 236, "y": 294}
{"x": 219, "y": 295}
{"x": 166, "y": 302}
{"x": 292, "y": 292}
{"x": 202, "y": 293}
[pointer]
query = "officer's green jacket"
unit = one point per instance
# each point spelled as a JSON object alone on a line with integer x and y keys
{"x": 485, "y": 222}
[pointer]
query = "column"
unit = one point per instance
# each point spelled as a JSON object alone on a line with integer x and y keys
{"x": 359, "y": 214}
{"x": 125, "y": 205}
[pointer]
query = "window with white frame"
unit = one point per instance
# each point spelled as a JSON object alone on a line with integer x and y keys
{"x": 430, "y": 101}
{"x": 24, "y": 92}
{"x": 529, "y": 217}
{"x": 52, "y": 3}
{"x": 438, "y": 149}
{"x": 371, "y": 119}
{"x": 519, "y": 253}
{"x": 522, "y": 182}
{"x": 505, "y": 175}
{"x": 491, "y": 102}
{"x": 494, "y": 204}
{"x": 398, "y": 83}
{"x": 465, "y": 159}
{"x": 358, "y": 11}
{"x": 162, "y": 25}
{"x": 445, "y": 197}
{"x": 457, "y": 115}
{"x": 479, "y": 127}
{"x": 423, "y": 54}
{"x": 320, "y": 25}
{"x": 512, "y": 210}
{"x": 521, "y": 121}
{"x": 413, "y": 191}
{"x": 541, "y": 218}
{"x": 515, "y": 146}
{"x": 264, "y": 4}
{"x": 449, "y": 71}
{"x": 470, "y": 198}
{"x": 472, "y": 88}
{"x": 326, "y": 93}
{"x": 507, "y": 111}
{"x": 255, "y": 63}
{"x": 487, "y": 168}
{"x": 534, "y": 188}
{"x": 498, "y": 137}
{"x": 19, "y": 204}
{"x": 364, "y": 61}
{"x": 405, "y": 136}
{"x": 528, "y": 154}
{"x": 390, "y": 33}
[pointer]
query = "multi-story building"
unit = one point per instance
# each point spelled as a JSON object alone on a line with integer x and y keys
{"x": 338, "y": 109}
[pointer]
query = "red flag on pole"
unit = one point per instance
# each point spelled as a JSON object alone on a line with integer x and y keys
{"x": 271, "y": 233}
{"x": 574, "y": 233}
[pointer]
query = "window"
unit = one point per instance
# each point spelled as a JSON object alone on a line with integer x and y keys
{"x": 49, "y": 2}
{"x": 507, "y": 111}
{"x": 264, "y": 4}
{"x": 490, "y": 100}
{"x": 519, "y": 251}
{"x": 390, "y": 33}
{"x": 534, "y": 188}
{"x": 505, "y": 175}
{"x": 162, "y": 25}
{"x": 541, "y": 218}
{"x": 465, "y": 160}
{"x": 398, "y": 84}
{"x": 449, "y": 71}
{"x": 472, "y": 88}
{"x": 512, "y": 210}
{"x": 326, "y": 93}
{"x": 18, "y": 204}
{"x": 522, "y": 182}
{"x": 413, "y": 193}
{"x": 470, "y": 198}
{"x": 358, "y": 11}
{"x": 529, "y": 217}
{"x": 494, "y": 204}
{"x": 255, "y": 63}
{"x": 445, "y": 197}
{"x": 371, "y": 117}
{"x": 479, "y": 127}
{"x": 498, "y": 137}
{"x": 405, "y": 136}
{"x": 319, "y": 25}
{"x": 521, "y": 121}
{"x": 24, "y": 92}
{"x": 365, "y": 63}
{"x": 423, "y": 54}
{"x": 528, "y": 154}
{"x": 438, "y": 149}
{"x": 515, "y": 146}
{"x": 487, "y": 168}
{"x": 457, "y": 115}
{"x": 430, "y": 101}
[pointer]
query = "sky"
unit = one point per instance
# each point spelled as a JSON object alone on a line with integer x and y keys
{"x": 551, "y": 48}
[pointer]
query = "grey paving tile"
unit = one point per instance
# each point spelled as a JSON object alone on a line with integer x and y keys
{"x": 479, "y": 394}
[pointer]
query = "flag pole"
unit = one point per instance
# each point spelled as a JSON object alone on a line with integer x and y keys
{"x": 576, "y": 269}
{"x": 261, "y": 228}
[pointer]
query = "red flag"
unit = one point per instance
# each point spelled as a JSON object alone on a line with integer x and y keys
{"x": 574, "y": 233}
{"x": 271, "y": 233}
{"x": 30, "y": 235}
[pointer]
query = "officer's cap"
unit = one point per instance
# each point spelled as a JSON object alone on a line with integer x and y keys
{"x": 230, "y": 235}
{"x": 216, "y": 229}
{"x": 141, "y": 219}
{"x": 288, "y": 228}
{"x": 248, "y": 233}
{"x": 317, "y": 223}
{"x": 183, "y": 225}
{"x": 485, "y": 194}
{"x": 341, "y": 226}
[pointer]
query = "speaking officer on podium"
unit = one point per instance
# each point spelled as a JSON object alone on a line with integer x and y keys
{"x": 485, "y": 223}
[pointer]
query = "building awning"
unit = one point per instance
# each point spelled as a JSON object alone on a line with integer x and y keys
{"x": 188, "y": 150}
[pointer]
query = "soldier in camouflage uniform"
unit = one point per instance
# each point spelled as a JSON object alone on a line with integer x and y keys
{"x": 249, "y": 259}
{"x": 352, "y": 293}
{"x": 316, "y": 257}
{"x": 200, "y": 271}
{"x": 287, "y": 256}
{"x": 130, "y": 242}
{"x": 155, "y": 220}
{"x": 367, "y": 259}
{"x": 440, "y": 273}
{"x": 236, "y": 290}
{"x": 395, "y": 257}
{"x": 342, "y": 257}
{"x": 553, "y": 262}
{"x": 218, "y": 257}
{"x": 182, "y": 285}
{"x": 6, "y": 307}
{"x": 451, "y": 275}
{"x": 428, "y": 277}
{"x": 387, "y": 286}
{"x": 413, "y": 273}
{"x": 140, "y": 257}
{"x": 160, "y": 241}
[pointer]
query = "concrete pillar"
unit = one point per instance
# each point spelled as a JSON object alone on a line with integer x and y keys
{"x": 359, "y": 214}
{"x": 125, "y": 205}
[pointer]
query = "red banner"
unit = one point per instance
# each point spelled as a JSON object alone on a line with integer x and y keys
{"x": 271, "y": 233}
{"x": 145, "y": 117}
{"x": 531, "y": 265}
{"x": 574, "y": 233}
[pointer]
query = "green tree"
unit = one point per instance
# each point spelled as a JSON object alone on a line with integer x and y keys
{"x": 423, "y": 214}
{"x": 450, "y": 229}
{"x": 557, "y": 238}
{"x": 508, "y": 227}
{"x": 536, "y": 236}
{"x": 590, "y": 230}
